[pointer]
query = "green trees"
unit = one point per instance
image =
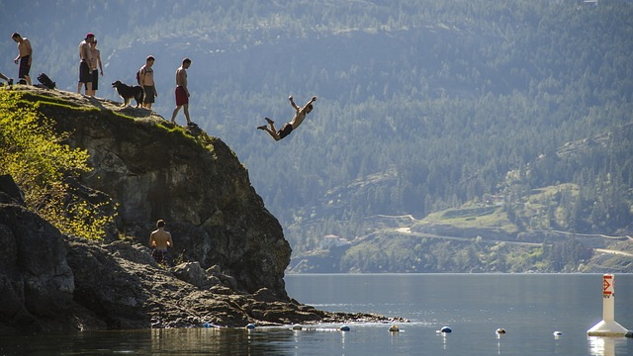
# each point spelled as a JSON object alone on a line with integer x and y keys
{"x": 44, "y": 167}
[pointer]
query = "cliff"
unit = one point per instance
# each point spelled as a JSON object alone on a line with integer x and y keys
{"x": 232, "y": 249}
{"x": 155, "y": 170}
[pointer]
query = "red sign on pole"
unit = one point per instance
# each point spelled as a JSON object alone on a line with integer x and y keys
{"x": 607, "y": 285}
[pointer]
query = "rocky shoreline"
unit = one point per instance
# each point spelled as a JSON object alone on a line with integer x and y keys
{"x": 52, "y": 282}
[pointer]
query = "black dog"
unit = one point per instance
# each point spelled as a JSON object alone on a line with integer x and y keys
{"x": 127, "y": 93}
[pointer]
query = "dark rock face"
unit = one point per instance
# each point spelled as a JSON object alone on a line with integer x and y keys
{"x": 195, "y": 183}
{"x": 35, "y": 280}
{"x": 10, "y": 192}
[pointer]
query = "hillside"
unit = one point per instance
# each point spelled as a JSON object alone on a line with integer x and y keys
{"x": 424, "y": 106}
{"x": 469, "y": 239}
{"x": 500, "y": 234}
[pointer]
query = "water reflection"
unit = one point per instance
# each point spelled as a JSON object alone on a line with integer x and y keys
{"x": 208, "y": 341}
{"x": 213, "y": 341}
{"x": 601, "y": 346}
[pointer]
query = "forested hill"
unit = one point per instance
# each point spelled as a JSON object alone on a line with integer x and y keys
{"x": 422, "y": 105}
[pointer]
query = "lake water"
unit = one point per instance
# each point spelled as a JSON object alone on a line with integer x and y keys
{"x": 530, "y": 307}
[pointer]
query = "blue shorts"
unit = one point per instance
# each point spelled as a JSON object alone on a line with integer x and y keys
{"x": 25, "y": 67}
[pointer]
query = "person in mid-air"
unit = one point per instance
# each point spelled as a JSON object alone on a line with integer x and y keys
{"x": 300, "y": 115}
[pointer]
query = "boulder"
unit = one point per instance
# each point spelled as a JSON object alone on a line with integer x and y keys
{"x": 35, "y": 280}
{"x": 9, "y": 191}
{"x": 192, "y": 273}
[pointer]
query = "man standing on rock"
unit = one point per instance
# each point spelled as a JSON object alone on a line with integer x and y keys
{"x": 24, "y": 58}
{"x": 159, "y": 240}
{"x": 146, "y": 81}
{"x": 182, "y": 93}
{"x": 95, "y": 66}
{"x": 85, "y": 75}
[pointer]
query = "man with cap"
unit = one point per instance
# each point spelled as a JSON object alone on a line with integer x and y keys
{"x": 85, "y": 74}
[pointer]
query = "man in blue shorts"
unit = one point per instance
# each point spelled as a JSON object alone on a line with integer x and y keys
{"x": 24, "y": 57}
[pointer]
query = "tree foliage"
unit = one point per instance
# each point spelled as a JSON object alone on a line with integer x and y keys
{"x": 43, "y": 166}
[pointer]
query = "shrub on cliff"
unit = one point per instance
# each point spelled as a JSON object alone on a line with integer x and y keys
{"x": 42, "y": 165}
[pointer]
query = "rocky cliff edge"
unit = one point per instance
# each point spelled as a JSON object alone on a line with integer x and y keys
{"x": 232, "y": 250}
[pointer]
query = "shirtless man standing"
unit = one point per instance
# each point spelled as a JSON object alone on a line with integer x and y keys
{"x": 300, "y": 115}
{"x": 24, "y": 57}
{"x": 182, "y": 93}
{"x": 146, "y": 81}
{"x": 85, "y": 75}
{"x": 159, "y": 240}
{"x": 95, "y": 62}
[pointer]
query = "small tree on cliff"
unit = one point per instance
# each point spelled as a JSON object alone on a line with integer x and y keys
{"x": 41, "y": 164}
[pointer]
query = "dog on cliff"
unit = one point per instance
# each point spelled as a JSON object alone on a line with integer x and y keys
{"x": 128, "y": 92}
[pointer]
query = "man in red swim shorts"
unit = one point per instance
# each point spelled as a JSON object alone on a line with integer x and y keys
{"x": 182, "y": 93}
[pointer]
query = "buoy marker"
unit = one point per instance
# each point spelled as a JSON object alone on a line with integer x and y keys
{"x": 445, "y": 330}
{"x": 608, "y": 326}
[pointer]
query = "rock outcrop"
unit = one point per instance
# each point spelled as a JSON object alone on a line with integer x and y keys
{"x": 35, "y": 279}
{"x": 155, "y": 170}
{"x": 233, "y": 249}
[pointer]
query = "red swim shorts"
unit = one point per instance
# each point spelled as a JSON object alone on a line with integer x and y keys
{"x": 181, "y": 96}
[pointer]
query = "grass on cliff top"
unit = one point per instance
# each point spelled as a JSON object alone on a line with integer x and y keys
{"x": 63, "y": 105}
{"x": 36, "y": 99}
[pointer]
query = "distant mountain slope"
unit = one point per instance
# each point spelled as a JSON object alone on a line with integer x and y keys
{"x": 500, "y": 234}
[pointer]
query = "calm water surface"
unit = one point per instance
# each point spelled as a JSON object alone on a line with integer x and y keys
{"x": 530, "y": 307}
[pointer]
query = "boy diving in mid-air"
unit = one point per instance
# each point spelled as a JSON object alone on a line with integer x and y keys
{"x": 300, "y": 115}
